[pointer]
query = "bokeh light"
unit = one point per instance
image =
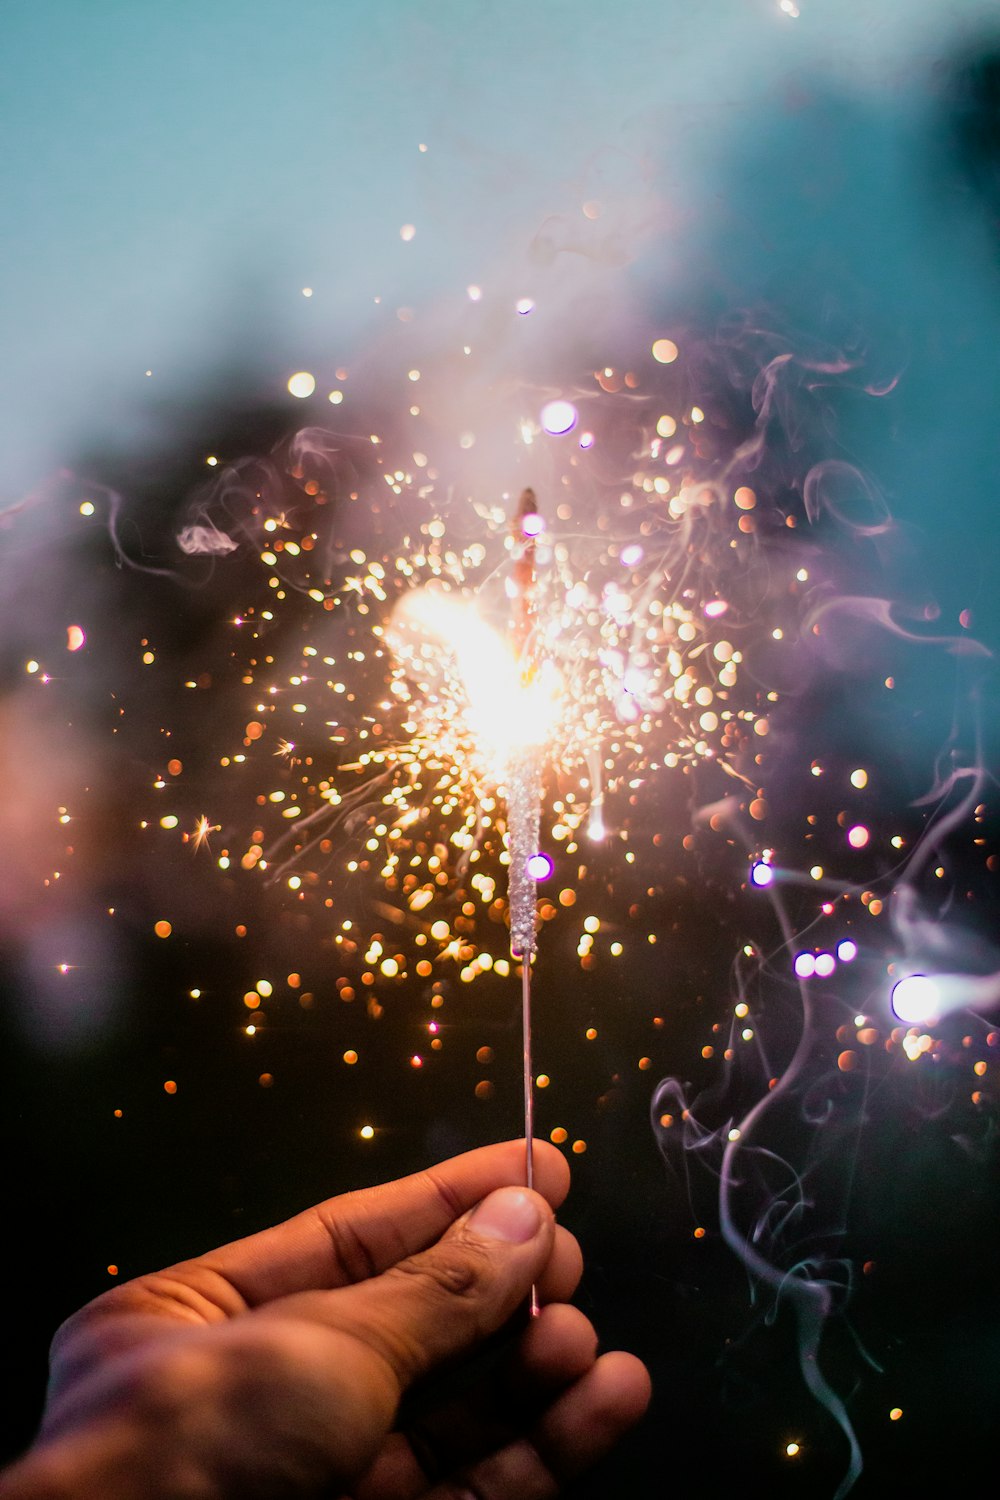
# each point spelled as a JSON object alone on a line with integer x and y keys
{"x": 559, "y": 417}
{"x": 916, "y": 999}
{"x": 301, "y": 384}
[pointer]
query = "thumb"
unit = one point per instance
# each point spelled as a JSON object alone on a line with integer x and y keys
{"x": 439, "y": 1304}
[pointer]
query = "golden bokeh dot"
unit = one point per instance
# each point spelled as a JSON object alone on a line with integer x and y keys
{"x": 118, "y": 1114}
{"x": 558, "y": 1136}
{"x": 645, "y": 1063}
{"x": 542, "y": 1081}
{"x": 366, "y": 1132}
{"x": 112, "y": 1270}
{"x": 301, "y": 384}
{"x": 664, "y": 351}
{"x": 163, "y": 929}
{"x": 175, "y": 767}
{"x": 170, "y": 1086}
{"x": 579, "y": 1147}
{"x": 350, "y": 1057}
{"x": 895, "y": 1414}
{"x": 251, "y": 1000}
{"x": 699, "y": 1233}
{"x": 484, "y": 1055}
{"x": 266, "y": 1080}
{"x": 847, "y": 1061}
{"x": 484, "y": 1089}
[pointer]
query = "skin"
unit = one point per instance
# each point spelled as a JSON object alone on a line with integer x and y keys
{"x": 376, "y": 1346}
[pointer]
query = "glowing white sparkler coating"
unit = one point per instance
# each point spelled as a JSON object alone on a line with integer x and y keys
{"x": 524, "y": 800}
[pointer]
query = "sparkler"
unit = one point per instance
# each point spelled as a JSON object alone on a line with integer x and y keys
{"x": 511, "y": 708}
{"x": 524, "y": 809}
{"x": 524, "y": 812}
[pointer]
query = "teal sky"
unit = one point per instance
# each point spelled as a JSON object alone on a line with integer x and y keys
{"x": 173, "y": 176}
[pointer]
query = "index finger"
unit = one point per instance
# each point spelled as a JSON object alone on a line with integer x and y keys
{"x": 359, "y": 1235}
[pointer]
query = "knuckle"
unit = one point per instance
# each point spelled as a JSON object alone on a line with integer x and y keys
{"x": 353, "y": 1259}
{"x": 443, "y": 1190}
{"x": 450, "y": 1271}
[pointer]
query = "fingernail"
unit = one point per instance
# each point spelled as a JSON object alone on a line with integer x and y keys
{"x": 509, "y": 1214}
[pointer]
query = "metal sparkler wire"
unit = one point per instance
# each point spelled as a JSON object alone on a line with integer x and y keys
{"x": 524, "y": 821}
{"x": 529, "y": 1097}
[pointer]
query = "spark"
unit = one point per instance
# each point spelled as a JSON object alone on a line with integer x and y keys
{"x": 202, "y": 829}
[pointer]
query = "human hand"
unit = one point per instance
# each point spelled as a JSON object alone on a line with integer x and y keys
{"x": 275, "y": 1366}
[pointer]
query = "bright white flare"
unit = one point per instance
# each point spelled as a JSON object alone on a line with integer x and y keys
{"x": 916, "y": 1000}
{"x": 508, "y": 711}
